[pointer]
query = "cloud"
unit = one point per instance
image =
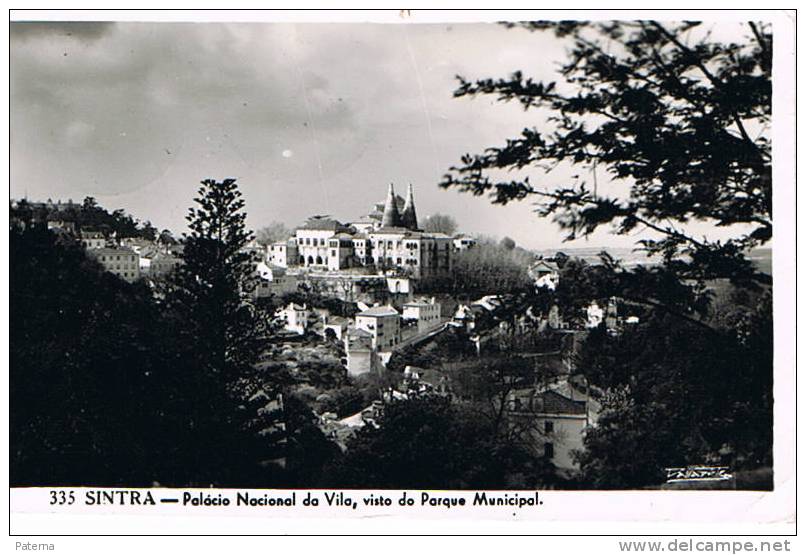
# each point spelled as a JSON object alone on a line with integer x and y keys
{"x": 310, "y": 117}
{"x": 79, "y": 30}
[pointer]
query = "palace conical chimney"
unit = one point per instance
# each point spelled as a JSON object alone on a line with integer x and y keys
{"x": 409, "y": 217}
{"x": 391, "y": 217}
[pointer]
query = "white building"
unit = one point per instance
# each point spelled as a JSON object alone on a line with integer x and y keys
{"x": 162, "y": 263}
{"x": 274, "y": 280}
{"x": 399, "y": 285}
{"x": 427, "y": 313}
{"x": 283, "y": 253}
{"x": 313, "y": 241}
{"x": 336, "y": 324}
{"x": 595, "y": 315}
{"x": 121, "y": 261}
{"x": 296, "y": 318}
{"x": 463, "y": 242}
{"x": 93, "y": 239}
{"x": 383, "y": 324}
{"x": 545, "y": 274}
{"x": 392, "y": 242}
{"x": 558, "y": 417}
{"x": 362, "y": 357}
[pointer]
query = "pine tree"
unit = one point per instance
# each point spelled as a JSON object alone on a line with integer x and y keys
{"x": 217, "y": 280}
{"x": 222, "y": 335}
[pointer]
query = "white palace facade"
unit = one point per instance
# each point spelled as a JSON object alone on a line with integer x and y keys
{"x": 386, "y": 239}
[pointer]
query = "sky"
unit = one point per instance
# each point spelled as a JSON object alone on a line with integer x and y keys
{"x": 311, "y": 118}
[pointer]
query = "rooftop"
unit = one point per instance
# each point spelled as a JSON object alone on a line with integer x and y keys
{"x": 113, "y": 250}
{"x": 322, "y": 223}
{"x": 550, "y": 402}
{"x": 419, "y": 303}
{"x": 540, "y": 264}
{"x": 379, "y": 311}
{"x": 393, "y": 230}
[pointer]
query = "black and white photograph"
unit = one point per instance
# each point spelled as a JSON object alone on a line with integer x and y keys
{"x": 472, "y": 254}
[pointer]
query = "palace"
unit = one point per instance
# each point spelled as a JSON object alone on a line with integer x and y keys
{"x": 388, "y": 240}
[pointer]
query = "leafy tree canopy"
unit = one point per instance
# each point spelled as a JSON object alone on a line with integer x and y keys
{"x": 679, "y": 117}
{"x": 440, "y": 223}
{"x": 275, "y": 231}
{"x": 431, "y": 443}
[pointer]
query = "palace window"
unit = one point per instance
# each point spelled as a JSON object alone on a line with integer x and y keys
{"x": 548, "y": 450}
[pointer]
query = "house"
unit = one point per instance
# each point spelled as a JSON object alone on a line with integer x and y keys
{"x": 146, "y": 254}
{"x": 273, "y": 280}
{"x": 545, "y": 274}
{"x": 296, "y": 318}
{"x": 337, "y": 325}
{"x": 399, "y": 285}
{"x": 466, "y": 316}
{"x": 426, "y": 313}
{"x": 463, "y": 242}
{"x": 490, "y": 303}
{"x": 362, "y": 356}
{"x": 418, "y": 381}
{"x": 283, "y": 253}
{"x": 557, "y": 417}
{"x": 383, "y": 323}
{"x": 162, "y": 263}
{"x": 121, "y": 261}
{"x": 137, "y": 244}
{"x": 92, "y": 239}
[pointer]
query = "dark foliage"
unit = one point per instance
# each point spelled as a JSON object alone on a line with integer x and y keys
{"x": 88, "y": 215}
{"x": 679, "y": 396}
{"x": 88, "y": 364}
{"x": 109, "y": 388}
{"x": 235, "y": 423}
{"x": 430, "y": 443}
{"x": 486, "y": 269}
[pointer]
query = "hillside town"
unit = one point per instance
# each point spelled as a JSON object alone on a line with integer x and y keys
{"x": 379, "y": 269}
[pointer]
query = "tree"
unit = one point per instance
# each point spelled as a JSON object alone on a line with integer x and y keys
{"x": 87, "y": 369}
{"x": 489, "y": 268}
{"x": 275, "y": 231}
{"x": 428, "y": 442}
{"x": 222, "y": 334}
{"x": 487, "y": 383}
{"x": 167, "y": 238}
{"x": 440, "y": 223}
{"x": 508, "y": 243}
{"x": 677, "y": 395}
{"x": 148, "y": 231}
{"x": 652, "y": 127}
{"x": 216, "y": 280}
{"x": 89, "y": 204}
{"x": 681, "y": 119}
